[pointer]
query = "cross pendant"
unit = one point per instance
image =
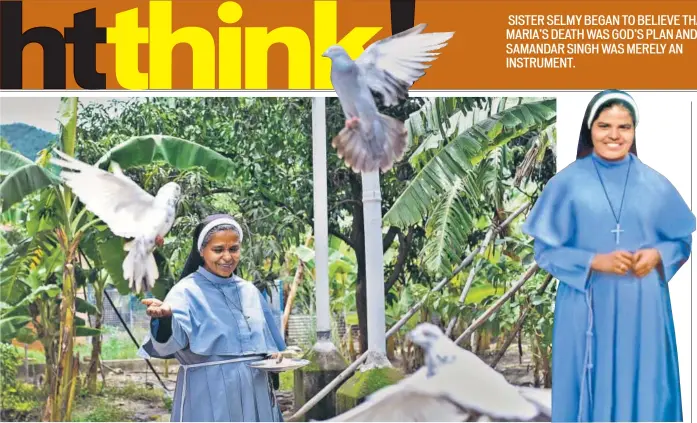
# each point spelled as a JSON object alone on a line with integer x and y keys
{"x": 617, "y": 231}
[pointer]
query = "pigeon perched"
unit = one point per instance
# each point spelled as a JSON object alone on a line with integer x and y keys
{"x": 454, "y": 385}
{"x": 370, "y": 140}
{"x": 128, "y": 210}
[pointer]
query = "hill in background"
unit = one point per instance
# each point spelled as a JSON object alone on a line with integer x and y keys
{"x": 26, "y": 139}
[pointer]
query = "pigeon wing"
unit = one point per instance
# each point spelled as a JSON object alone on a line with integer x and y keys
{"x": 115, "y": 199}
{"x": 405, "y": 403}
{"x": 541, "y": 397}
{"x": 474, "y": 385}
{"x": 392, "y": 65}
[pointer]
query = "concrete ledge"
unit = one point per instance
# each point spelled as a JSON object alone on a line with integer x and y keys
{"x": 364, "y": 383}
{"x": 326, "y": 363}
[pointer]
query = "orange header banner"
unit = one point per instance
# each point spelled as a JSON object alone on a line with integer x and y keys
{"x": 262, "y": 44}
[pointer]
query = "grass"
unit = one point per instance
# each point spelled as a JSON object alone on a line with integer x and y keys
{"x": 116, "y": 345}
{"x": 102, "y": 411}
{"x": 133, "y": 392}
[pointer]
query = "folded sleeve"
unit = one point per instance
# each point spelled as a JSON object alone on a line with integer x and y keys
{"x": 571, "y": 266}
{"x": 675, "y": 225}
{"x": 552, "y": 223}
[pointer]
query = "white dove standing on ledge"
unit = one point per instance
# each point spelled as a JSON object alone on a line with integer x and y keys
{"x": 128, "y": 210}
{"x": 370, "y": 140}
{"x": 454, "y": 385}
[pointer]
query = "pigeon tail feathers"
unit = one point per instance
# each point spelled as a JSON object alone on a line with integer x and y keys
{"x": 356, "y": 152}
{"x": 139, "y": 267}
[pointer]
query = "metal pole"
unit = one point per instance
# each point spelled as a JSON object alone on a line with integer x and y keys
{"x": 319, "y": 170}
{"x": 375, "y": 283}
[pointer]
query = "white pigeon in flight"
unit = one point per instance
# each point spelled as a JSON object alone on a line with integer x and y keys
{"x": 454, "y": 385}
{"x": 128, "y": 210}
{"x": 370, "y": 140}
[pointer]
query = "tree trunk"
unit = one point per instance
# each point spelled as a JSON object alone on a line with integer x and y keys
{"x": 358, "y": 239}
{"x": 95, "y": 363}
{"x": 50, "y": 348}
{"x": 61, "y": 391}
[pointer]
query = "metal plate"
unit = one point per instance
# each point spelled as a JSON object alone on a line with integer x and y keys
{"x": 271, "y": 364}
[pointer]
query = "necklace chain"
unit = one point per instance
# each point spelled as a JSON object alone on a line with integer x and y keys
{"x": 227, "y": 303}
{"x": 624, "y": 191}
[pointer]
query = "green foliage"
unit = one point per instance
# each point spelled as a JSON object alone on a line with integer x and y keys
{"x": 11, "y": 161}
{"x": 22, "y": 181}
{"x": 266, "y": 141}
{"x": 287, "y": 381}
{"x": 466, "y": 162}
{"x": 18, "y": 400}
{"x": 4, "y": 145}
{"x": 467, "y": 149}
{"x": 9, "y": 361}
{"x": 179, "y": 153}
{"x": 28, "y": 140}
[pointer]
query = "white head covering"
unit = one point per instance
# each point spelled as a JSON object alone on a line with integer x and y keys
{"x": 218, "y": 222}
{"x": 613, "y": 95}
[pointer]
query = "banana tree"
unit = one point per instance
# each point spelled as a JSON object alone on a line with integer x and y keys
{"x": 462, "y": 163}
{"x": 22, "y": 180}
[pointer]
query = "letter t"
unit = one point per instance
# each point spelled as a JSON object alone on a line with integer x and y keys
{"x": 126, "y": 35}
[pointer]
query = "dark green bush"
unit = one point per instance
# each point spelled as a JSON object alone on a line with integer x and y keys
{"x": 19, "y": 401}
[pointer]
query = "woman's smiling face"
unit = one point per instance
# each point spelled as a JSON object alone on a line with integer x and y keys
{"x": 222, "y": 253}
{"x": 613, "y": 133}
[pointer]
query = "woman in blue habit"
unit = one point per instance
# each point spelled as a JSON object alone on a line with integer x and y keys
{"x": 215, "y": 324}
{"x": 614, "y": 232}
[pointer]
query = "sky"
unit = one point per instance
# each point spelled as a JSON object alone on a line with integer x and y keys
{"x": 37, "y": 111}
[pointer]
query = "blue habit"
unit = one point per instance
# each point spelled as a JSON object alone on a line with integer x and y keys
{"x": 614, "y": 353}
{"x": 225, "y": 321}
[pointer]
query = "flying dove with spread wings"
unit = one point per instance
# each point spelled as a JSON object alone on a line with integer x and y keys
{"x": 370, "y": 140}
{"x": 128, "y": 210}
{"x": 454, "y": 385}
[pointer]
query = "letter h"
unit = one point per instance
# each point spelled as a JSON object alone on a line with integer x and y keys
{"x": 13, "y": 41}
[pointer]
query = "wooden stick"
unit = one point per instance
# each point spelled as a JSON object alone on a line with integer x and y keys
{"x": 501, "y": 301}
{"x": 299, "y": 272}
{"x": 519, "y": 323}
{"x": 511, "y": 336}
{"x": 482, "y": 247}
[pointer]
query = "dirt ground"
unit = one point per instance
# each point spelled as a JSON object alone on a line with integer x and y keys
{"x": 133, "y": 396}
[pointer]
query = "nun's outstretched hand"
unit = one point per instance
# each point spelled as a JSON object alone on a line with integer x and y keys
{"x": 157, "y": 308}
